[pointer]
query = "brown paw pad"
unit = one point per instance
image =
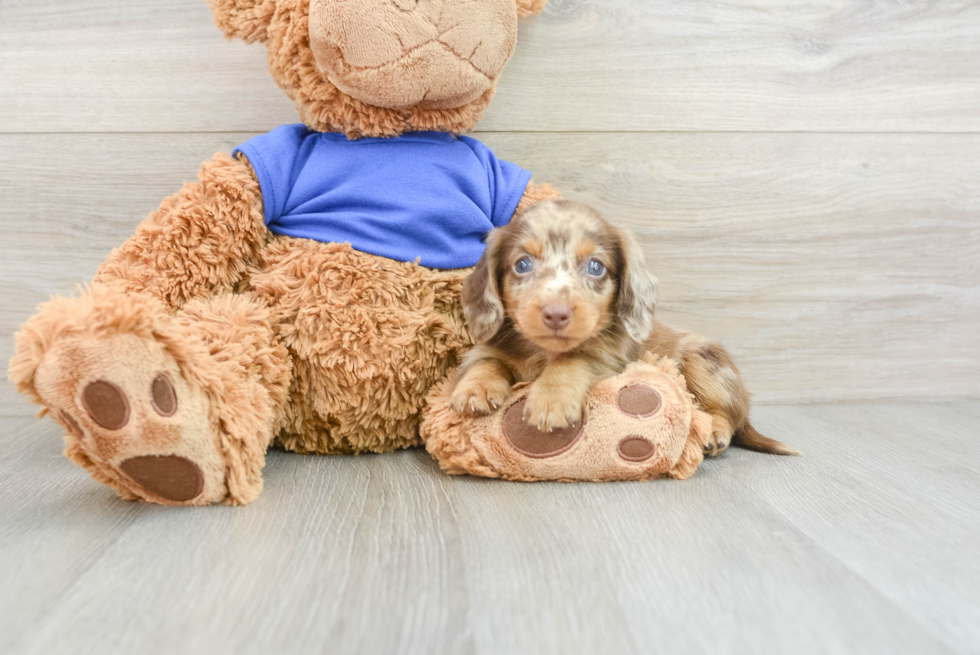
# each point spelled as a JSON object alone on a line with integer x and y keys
{"x": 163, "y": 397}
{"x": 106, "y": 404}
{"x": 168, "y": 476}
{"x": 638, "y": 401}
{"x": 636, "y": 449}
{"x": 528, "y": 440}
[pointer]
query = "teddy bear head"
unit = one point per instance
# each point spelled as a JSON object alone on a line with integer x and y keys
{"x": 382, "y": 67}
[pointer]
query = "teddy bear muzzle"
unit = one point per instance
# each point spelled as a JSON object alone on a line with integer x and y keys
{"x": 397, "y": 54}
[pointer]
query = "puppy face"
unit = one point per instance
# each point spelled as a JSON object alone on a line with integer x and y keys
{"x": 562, "y": 275}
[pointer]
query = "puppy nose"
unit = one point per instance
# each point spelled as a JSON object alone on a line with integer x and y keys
{"x": 556, "y": 316}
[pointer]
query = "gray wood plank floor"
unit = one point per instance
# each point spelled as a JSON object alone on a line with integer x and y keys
{"x": 867, "y": 544}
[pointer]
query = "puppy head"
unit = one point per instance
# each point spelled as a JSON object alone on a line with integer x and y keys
{"x": 562, "y": 274}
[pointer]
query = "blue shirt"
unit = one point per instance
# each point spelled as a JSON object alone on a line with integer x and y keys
{"x": 427, "y": 196}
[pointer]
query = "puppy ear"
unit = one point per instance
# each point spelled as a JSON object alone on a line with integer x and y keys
{"x": 246, "y": 19}
{"x": 482, "y": 307}
{"x": 529, "y": 7}
{"x": 638, "y": 290}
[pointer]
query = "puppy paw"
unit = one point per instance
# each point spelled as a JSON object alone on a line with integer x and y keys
{"x": 477, "y": 394}
{"x": 549, "y": 408}
{"x": 717, "y": 442}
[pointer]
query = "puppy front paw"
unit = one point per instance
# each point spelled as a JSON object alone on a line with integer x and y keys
{"x": 549, "y": 408}
{"x": 479, "y": 394}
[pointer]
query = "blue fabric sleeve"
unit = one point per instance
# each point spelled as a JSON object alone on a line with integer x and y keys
{"x": 507, "y": 182}
{"x": 273, "y": 156}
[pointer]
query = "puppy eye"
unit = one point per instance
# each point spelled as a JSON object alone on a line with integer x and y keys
{"x": 523, "y": 266}
{"x": 596, "y": 268}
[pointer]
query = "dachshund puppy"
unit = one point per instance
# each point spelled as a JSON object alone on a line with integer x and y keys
{"x": 562, "y": 298}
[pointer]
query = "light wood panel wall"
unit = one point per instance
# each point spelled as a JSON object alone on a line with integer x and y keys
{"x": 804, "y": 178}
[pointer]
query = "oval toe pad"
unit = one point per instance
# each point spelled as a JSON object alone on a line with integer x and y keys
{"x": 168, "y": 476}
{"x": 530, "y": 441}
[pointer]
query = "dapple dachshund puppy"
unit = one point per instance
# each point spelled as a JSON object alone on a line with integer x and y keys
{"x": 562, "y": 298}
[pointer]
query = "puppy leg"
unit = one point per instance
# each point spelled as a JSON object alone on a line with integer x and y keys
{"x": 483, "y": 384}
{"x": 556, "y": 399}
{"x": 717, "y": 385}
{"x": 714, "y": 380}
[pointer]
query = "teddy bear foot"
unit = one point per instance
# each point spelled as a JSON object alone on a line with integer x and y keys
{"x": 133, "y": 418}
{"x": 639, "y": 425}
{"x": 160, "y": 407}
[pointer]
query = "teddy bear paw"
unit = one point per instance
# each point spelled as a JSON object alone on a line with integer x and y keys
{"x": 638, "y": 425}
{"x": 624, "y": 434}
{"x": 132, "y": 418}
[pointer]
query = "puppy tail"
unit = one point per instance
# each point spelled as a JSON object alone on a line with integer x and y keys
{"x": 751, "y": 439}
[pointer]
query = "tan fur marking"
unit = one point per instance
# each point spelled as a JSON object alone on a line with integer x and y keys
{"x": 534, "y": 247}
{"x": 583, "y": 249}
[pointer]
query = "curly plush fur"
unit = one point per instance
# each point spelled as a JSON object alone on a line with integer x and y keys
{"x": 270, "y": 340}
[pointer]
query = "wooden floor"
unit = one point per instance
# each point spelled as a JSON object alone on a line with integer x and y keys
{"x": 867, "y": 544}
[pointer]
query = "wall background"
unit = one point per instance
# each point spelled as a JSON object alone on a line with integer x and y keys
{"x": 804, "y": 177}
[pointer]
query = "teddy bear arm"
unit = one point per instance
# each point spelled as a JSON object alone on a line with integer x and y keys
{"x": 199, "y": 242}
{"x": 536, "y": 193}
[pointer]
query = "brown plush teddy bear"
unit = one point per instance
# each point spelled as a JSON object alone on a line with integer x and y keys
{"x": 223, "y": 326}
{"x": 305, "y": 291}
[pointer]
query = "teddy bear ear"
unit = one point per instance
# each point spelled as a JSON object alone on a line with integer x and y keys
{"x": 530, "y": 7}
{"x": 246, "y": 19}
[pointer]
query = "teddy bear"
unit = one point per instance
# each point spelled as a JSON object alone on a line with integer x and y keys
{"x": 304, "y": 292}
{"x": 289, "y": 297}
